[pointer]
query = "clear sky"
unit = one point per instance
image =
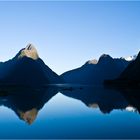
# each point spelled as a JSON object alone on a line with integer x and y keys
{"x": 67, "y": 34}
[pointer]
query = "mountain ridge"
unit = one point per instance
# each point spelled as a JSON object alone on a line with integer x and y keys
{"x": 28, "y": 68}
{"x": 130, "y": 77}
{"x": 96, "y": 73}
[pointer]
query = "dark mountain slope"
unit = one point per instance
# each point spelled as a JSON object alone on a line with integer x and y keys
{"x": 130, "y": 77}
{"x": 93, "y": 72}
{"x": 26, "y": 68}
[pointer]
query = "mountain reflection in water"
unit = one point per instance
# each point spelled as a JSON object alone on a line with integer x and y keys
{"x": 26, "y": 103}
{"x": 107, "y": 99}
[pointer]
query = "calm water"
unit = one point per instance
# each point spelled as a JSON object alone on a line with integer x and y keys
{"x": 79, "y": 112}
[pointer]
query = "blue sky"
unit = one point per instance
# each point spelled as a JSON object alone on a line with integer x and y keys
{"x": 67, "y": 34}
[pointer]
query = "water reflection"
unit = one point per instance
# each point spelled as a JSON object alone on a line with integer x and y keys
{"x": 133, "y": 97}
{"x": 26, "y": 102}
{"x": 107, "y": 99}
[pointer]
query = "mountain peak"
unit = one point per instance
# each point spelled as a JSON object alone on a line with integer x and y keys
{"x": 105, "y": 57}
{"x": 30, "y": 46}
{"x": 30, "y": 51}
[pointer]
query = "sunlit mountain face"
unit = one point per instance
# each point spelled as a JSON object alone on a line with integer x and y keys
{"x": 30, "y": 51}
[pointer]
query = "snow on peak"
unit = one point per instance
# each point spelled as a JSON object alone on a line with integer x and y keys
{"x": 130, "y": 58}
{"x": 30, "y": 51}
{"x": 30, "y": 46}
{"x": 94, "y": 61}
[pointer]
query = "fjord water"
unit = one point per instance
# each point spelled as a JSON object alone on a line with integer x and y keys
{"x": 69, "y": 112}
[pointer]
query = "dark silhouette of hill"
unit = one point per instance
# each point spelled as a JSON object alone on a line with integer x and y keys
{"x": 130, "y": 77}
{"x": 95, "y": 72}
{"x": 26, "y": 68}
{"x": 26, "y": 102}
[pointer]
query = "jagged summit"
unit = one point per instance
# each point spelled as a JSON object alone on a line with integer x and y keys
{"x": 95, "y": 72}
{"x": 30, "y": 46}
{"x": 30, "y": 51}
{"x": 105, "y": 58}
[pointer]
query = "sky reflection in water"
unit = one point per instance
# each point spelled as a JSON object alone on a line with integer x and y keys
{"x": 80, "y": 113}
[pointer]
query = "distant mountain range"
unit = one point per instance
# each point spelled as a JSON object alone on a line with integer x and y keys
{"x": 130, "y": 76}
{"x": 95, "y": 72}
{"x": 26, "y": 68}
